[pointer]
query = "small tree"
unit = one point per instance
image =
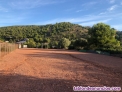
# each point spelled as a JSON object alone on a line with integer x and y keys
{"x": 64, "y": 43}
{"x": 31, "y": 43}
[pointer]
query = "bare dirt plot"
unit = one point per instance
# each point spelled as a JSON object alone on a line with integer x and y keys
{"x": 38, "y": 70}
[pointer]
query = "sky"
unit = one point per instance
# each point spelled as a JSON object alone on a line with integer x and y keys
{"x": 41, "y": 12}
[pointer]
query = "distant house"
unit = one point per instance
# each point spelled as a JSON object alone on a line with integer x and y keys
{"x": 25, "y": 46}
{"x": 21, "y": 44}
{"x": 7, "y": 41}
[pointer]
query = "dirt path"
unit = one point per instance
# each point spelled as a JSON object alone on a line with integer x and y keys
{"x": 37, "y": 70}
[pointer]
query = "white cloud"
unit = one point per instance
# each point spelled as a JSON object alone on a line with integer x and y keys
{"x": 71, "y": 9}
{"x": 89, "y": 4}
{"x": 102, "y": 13}
{"x": 28, "y": 4}
{"x": 3, "y": 9}
{"x": 112, "y": 1}
{"x": 121, "y": 3}
{"x": 79, "y": 10}
{"x": 90, "y": 23}
{"x": 73, "y": 20}
{"x": 88, "y": 20}
{"x": 10, "y": 19}
{"x": 85, "y": 19}
{"x": 112, "y": 8}
{"x": 118, "y": 27}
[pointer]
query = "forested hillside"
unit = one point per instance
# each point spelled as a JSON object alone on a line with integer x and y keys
{"x": 65, "y": 35}
{"x": 46, "y": 33}
{"x": 119, "y": 36}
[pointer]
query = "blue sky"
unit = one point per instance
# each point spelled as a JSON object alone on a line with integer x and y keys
{"x": 41, "y": 12}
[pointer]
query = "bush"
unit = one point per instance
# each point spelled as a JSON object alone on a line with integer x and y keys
{"x": 71, "y": 47}
{"x": 78, "y": 48}
{"x": 113, "y": 50}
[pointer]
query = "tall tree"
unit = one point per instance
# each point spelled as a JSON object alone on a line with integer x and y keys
{"x": 102, "y": 36}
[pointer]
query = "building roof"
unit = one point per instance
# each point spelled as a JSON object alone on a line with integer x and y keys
{"x": 20, "y": 42}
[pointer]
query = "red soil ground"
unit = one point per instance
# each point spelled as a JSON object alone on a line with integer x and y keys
{"x": 39, "y": 70}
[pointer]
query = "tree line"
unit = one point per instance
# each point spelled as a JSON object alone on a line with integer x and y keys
{"x": 65, "y": 35}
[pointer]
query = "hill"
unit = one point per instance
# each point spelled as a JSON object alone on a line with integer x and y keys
{"x": 37, "y": 34}
{"x": 51, "y": 35}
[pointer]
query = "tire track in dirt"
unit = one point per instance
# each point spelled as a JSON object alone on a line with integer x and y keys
{"x": 33, "y": 70}
{"x": 115, "y": 76}
{"x": 113, "y": 73}
{"x": 105, "y": 69}
{"x": 11, "y": 69}
{"x": 15, "y": 63}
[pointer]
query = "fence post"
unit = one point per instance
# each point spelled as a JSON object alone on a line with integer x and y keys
{"x": 0, "y": 50}
{"x": 5, "y": 48}
{"x": 10, "y": 47}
